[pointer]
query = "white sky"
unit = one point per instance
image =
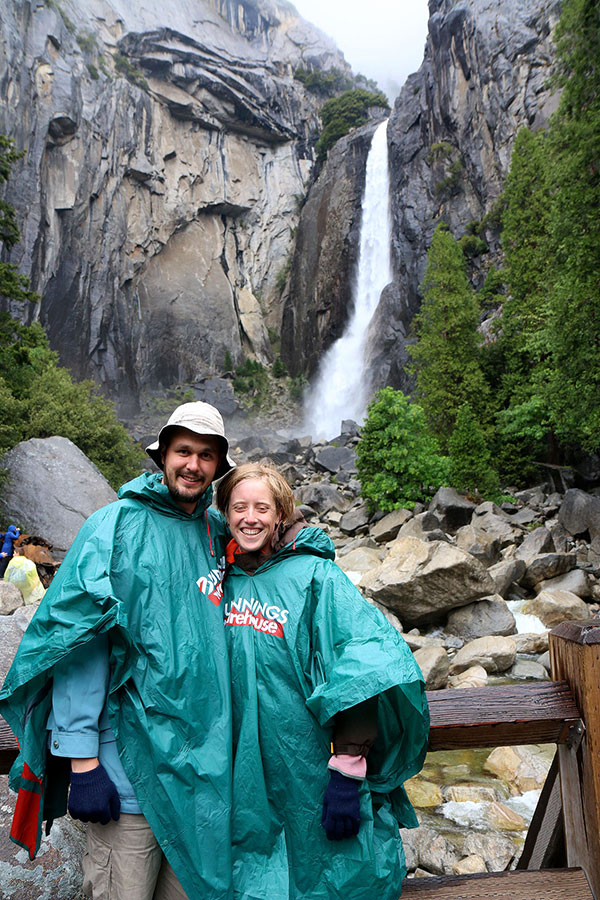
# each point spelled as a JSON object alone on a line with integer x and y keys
{"x": 382, "y": 39}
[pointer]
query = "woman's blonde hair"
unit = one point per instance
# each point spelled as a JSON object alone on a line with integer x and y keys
{"x": 280, "y": 489}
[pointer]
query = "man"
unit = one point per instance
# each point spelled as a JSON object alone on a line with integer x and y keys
{"x": 123, "y": 676}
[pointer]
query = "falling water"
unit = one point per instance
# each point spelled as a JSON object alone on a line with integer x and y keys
{"x": 341, "y": 386}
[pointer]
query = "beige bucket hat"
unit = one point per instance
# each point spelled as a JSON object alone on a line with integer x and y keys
{"x": 201, "y": 418}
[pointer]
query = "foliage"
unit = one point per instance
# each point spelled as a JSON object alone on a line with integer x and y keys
{"x": 251, "y": 378}
{"x": 40, "y": 399}
{"x": 398, "y": 461}
{"x": 471, "y": 466}
{"x": 472, "y": 245}
{"x": 450, "y": 185}
{"x": 227, "y": 362}
{"x": 446, "y": 356}
{"x": 282, "y": 276}
{"x": 131, "y": 72}
{"x": 279, "y": 368}
{"x": 323, "y": 83}
{"x": 342, "y": 113}
{"x": 574, "y": 282}
{"x": 492, "y": 291}
{"x": 87, "y": 41}
{"x": 440, "y": 151}
{"x": 13, "y": 285}
{"x": 297, "y": 387}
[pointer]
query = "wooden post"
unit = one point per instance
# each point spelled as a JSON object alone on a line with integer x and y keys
{"x": 575, "y": 658}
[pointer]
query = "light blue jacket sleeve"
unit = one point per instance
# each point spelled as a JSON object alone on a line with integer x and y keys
{"x": 79, "y": 701}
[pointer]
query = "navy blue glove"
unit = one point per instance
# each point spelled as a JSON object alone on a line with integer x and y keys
{"x": 93, "y": 797}
{"x": 341, "y": 807}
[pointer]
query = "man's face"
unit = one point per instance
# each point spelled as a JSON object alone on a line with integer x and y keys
{"x": 189, "y": 465}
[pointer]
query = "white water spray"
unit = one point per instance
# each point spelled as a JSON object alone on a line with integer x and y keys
{"x": 341, "y": 386}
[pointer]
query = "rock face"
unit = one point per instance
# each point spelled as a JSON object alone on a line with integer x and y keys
{"x": 160, "y": 187}
{"x": 52, "y": 488}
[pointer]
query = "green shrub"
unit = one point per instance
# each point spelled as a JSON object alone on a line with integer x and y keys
{"x": 340, "y": 114}
{"x": 323, "y": 84}
{"x": 398, "y": 461}
{"x": 470, "y": 457}
{"x": 227, "y": 362}
{"x": 472, "y": 245}
{"x": 297, "y": 386}
{"x": 251, "y": 378}
{"x": 279, "y": 368}
{"x": 131, "y": 72}
{"x": 437, "y": 152}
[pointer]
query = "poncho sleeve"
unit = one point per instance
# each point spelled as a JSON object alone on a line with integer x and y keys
{"x": 357, "y": 654}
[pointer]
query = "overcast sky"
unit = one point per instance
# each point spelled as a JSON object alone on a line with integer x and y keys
{"x": 382, "y": 39}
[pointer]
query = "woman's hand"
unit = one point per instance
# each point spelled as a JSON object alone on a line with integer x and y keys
{"x": 341, "y": 807}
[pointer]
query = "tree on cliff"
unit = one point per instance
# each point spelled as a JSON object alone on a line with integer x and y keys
{"x": 446, "y": 356}
{"x": 38, "y": 398}
{"x": 340, "y": 114}
{"x": 574, "y": 283}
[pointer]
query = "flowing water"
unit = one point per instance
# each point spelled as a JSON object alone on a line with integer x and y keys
{"x": 340, "y": 390}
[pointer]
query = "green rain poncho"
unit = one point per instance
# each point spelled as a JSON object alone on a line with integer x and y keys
{"x": 150, "y": 575}
{"x": 303, "y": 645}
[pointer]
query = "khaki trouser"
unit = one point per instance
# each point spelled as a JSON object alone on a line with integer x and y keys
{"x": 122, "y": 861}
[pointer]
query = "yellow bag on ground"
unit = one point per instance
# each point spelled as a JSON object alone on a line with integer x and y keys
{"x": 22, "y": 572}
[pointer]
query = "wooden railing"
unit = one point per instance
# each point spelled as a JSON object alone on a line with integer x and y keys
{"x": 565, "y": 829}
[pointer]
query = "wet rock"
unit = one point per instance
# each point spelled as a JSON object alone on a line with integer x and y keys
{"x": 541, "y": 568}
{"x": 528, "y": 670}
{"x": 355, "y": 519}
{"x": 490, "y": 615}
{"x": 473, "y": 677}
{"x": 537, "y": 542}
{"x": 521, "y": 768}
{"x": 470, "y": 865}
{"x": 388, "y": 527}
{"x": 421, "y": 581}
{"x": 422, "y": 793}
{"x": 504, "y": 818}
{"x": 556, "y": 606}
{"x": 495, "y": 654}
{"x": 497, "y": 849}
{"x": 434, "y": 665}
{"x": 506, "y": 573}
{"x": 452, "y": 509}
{"x": 470, "y": 793}
{"x": 479, "y": 543}
{"x": 52, "y": 488}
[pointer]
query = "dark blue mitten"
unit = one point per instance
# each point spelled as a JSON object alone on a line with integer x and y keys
{"x": 93, "y": 797}
{"x": 341, "y": 807}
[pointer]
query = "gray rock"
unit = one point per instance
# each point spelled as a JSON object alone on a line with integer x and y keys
{"x": 52, "y": 488}
{"x": 528, "y": 670}
{"x": 332, "y": 459}
{"x": 388, "y": 527}
{"x": 355, "y": 543}
{"x": 10, "y": 598}
{"x": 555, "y": 606}
{"x": 524, "y": 517}
{"x": 506, "y": 573}
{"x": 419, "y": 525}
{"x": 548, "y": 566}
{"x": 323, "y": 496}
{"x": 452, "y": 509}
{"x": 497, "y": 525}
{"x": 422, "y": 581}
{"x": 580, "y": 512}
{"x": 355, "y": 519}
{"x": 434, "y": 665}
{"x": 490, "y": 615}
{"x": 535, "y": 543}
{"x": 497, "y": 849}
{"x": 576, "y": 581}
{"x": 11, "y": 632}
{"x": 479, "y": 543}
{"x": 494, "y": 654}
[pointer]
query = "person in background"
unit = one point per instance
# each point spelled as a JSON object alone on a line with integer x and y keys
{"x": 329, "y": 710}
{"x": 121, "y": 683}
{"x": 8, "y": 539}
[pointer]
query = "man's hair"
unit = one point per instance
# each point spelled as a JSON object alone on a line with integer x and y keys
{"x": 265, "y": 471}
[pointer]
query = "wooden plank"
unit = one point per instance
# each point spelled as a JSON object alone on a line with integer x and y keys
{"x": 545, "y": 842}
{"x": 507, "y": 715}
{"x": 8, "y": 748}
{"x": 575, "y": 657}
{"x": 548, "y": 884}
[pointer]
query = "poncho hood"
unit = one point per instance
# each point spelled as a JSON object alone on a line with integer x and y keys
{"x": 150, "y": 489}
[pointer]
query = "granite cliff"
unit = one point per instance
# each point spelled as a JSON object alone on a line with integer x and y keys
{"x": 484, "y": 75}
{"x": 166, "y": 158}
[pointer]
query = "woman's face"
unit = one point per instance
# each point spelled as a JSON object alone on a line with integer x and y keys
{"x": 252, "y": 515}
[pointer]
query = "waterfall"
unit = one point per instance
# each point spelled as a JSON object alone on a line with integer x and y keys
{"x": 340, "y": 390}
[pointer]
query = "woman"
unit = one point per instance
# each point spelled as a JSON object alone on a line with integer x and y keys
{"x": 319, "y": 680}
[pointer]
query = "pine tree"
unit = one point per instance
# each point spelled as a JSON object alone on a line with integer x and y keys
{"x": 471, "y": 466}
{"x": 446, "y": 356}
{"x": 574, "y": 296}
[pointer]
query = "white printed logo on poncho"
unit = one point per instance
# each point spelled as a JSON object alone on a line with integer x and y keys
{"x": 212, "y": 583}
{"x": 264, "y": 617}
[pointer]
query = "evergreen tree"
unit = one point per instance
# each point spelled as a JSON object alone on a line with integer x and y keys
{"x": 471, "y": 466}
{"x": 574, "y": 296}
{"x": 398, "y": 461}
{"x": 446, "y": 355}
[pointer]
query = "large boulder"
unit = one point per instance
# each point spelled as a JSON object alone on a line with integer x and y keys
{"x": 494, "y": 653}
{"x": 577, "y": 581}
{"x": 580, "y": 512}
{"x": 452, "y": 509}
{"x": 555, "y": 606}
{"x": 434, "y": 665}
{"x": 506, "y": 573}
{"x": 10, "y": 598}
{"x": 388, "y": 527}
{"x": 479, "y": 543}
{"x": 489, "y": 615}
{"x": 550, "y": 565}
{"x": 535, "y": 543}
{"x": 421, "y": 581}
{"x": 52, "y": 488}
{"x": 323, "y": 497}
